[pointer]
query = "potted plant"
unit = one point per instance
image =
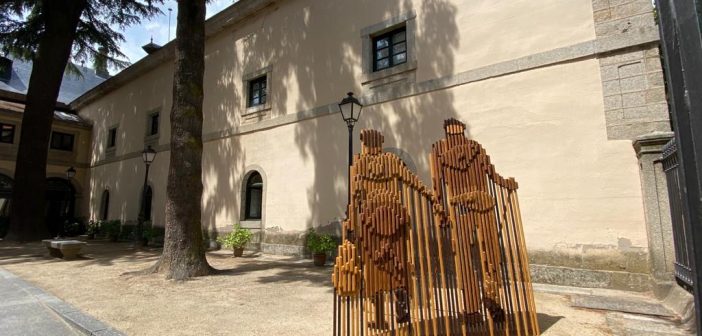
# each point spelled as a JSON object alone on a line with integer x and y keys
{"x": 111, "y": 229}
{"x": 236, "y": 240}
{"x": 320, "y": 245}
{"x": 92, "y": 229}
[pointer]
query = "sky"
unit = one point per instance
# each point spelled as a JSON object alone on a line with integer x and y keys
{"x": 157, "y": 27}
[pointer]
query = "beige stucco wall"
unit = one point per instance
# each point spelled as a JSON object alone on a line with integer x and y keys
{"x": 57, "y": 161}
{"x": 545, "y": 127}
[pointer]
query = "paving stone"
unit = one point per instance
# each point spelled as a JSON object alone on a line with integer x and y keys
{"x": 29, "y": 310}
{"x": 629, "y": 324}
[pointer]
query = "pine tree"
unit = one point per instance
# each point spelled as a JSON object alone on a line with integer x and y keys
{"x": 183, "y": 251}
{"x": 49, "y": 32}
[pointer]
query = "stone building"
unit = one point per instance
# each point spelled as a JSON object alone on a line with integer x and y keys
{"x": 68, "y": 147}
{"x": 556, "y": 91}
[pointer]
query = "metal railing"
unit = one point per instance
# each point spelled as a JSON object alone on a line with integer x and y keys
{"x": 681, "y": 231}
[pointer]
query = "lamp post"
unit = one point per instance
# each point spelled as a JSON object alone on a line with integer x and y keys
{"x": 148, "y": 155}
{"x": 70, "y": 173}
{"x": 350, "y": 109}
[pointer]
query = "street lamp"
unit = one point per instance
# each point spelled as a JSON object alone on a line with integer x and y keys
{"x": 70, "y": 173}
{"x": 148, "y": 155}
{"x": 350, "y": 109}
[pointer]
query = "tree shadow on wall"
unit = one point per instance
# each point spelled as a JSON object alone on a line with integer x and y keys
{"x": 411, "y": 124}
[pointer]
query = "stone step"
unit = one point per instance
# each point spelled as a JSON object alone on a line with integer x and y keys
{"x": 630, "y": 324}
{"x": 623, "y": 302}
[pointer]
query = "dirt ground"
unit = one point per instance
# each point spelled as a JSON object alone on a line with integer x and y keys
{"x": 254, "y": 295}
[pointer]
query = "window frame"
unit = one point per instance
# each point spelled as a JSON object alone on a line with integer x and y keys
{"x": 247, "y": 202}
{"x": 262, "y": 91}
{"x": 402, "y": 73}
{"x": 157, "y": 124}
{"x": 105, "y": 205}
{"x": 63, "y": 135}
{"x": 111, "y": 138}
{"x": 12, "y": 136}
{"x": 392, "y": 43}
{"x": 258, "y": 112}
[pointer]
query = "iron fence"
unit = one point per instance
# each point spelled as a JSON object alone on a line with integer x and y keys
{"x": 681, "y": 232}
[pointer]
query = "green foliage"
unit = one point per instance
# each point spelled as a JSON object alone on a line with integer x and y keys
{"x": 73, "y": 227}
{"x": 320, "y": 243}
{"x": 93, "y": 227}
{"x": 237, "y": 238}
{"x": 147, "y": 231}
{"x": 98, "y": 35}
{"x": 111, "y": 228}
{"x": 126, "y": 232}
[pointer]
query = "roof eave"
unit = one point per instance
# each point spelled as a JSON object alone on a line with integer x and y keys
{"x": 227, "y": 17}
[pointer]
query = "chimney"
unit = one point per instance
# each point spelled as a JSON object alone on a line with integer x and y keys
{"x": 100, "y": 63}
{"x": 5, "y": 69}
{"x": 151, "y": 47}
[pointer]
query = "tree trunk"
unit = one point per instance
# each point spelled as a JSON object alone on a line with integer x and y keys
{"x": 27, "y": 218}
{"x": 183, "y": 251}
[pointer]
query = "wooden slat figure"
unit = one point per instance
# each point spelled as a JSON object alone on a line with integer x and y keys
{"x": 446, "y": 260}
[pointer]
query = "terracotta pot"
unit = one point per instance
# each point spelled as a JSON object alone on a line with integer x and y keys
{"x": 320, "y": 259}
{"x": 238, "y": 252}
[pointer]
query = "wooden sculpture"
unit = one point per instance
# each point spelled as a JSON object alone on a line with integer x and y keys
{"x": 447, "y": 260}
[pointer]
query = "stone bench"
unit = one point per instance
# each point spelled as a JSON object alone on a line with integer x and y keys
{"x": 62, "y": 248}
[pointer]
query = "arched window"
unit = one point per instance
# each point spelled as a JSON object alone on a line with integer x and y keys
{"x": 254, "y": 196}
{"x": 105, "y": 205}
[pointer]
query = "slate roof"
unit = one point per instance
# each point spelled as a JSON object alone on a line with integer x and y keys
{"x": 72, "y": 86}
{"x": 68, "y": 117}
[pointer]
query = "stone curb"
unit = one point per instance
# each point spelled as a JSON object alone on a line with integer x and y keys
{"x": 82, "y": 322}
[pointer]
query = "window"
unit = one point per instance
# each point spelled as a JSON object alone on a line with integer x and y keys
{"x": 7, "y": 133}
{"x": 112, "y": 137}
{"x": 62, "y": 141}
{"x": 390, "y": 49}
{"x": 254, "y": 196}
{"x": 105, "y": 205}
{"x": 257, "y": 91}
{"x": 153, "y": 124}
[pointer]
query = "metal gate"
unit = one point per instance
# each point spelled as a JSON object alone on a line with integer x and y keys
{"x": 681, "y": 234}
{"x": 681, "y": 42}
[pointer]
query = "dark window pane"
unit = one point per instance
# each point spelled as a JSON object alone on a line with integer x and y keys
{"x": 61, "y": 141}
{"x": 257, "y": 90}
{"x": 112, "y": 138}
{"x": 7, "y": 134}
{"x": 382, "y": 43}
{"x": 254, "y": 197}
{"x": 398, "y": 48}
{"x": 399, "y": 58}
{"x": 399, "y": 36}
{"x": 153, "y": 130}
{"x": 390, "y": 49}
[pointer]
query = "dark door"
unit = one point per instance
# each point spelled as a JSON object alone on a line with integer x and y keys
{"x": 5, "y": 195}
{"x": 60, "y": 204}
